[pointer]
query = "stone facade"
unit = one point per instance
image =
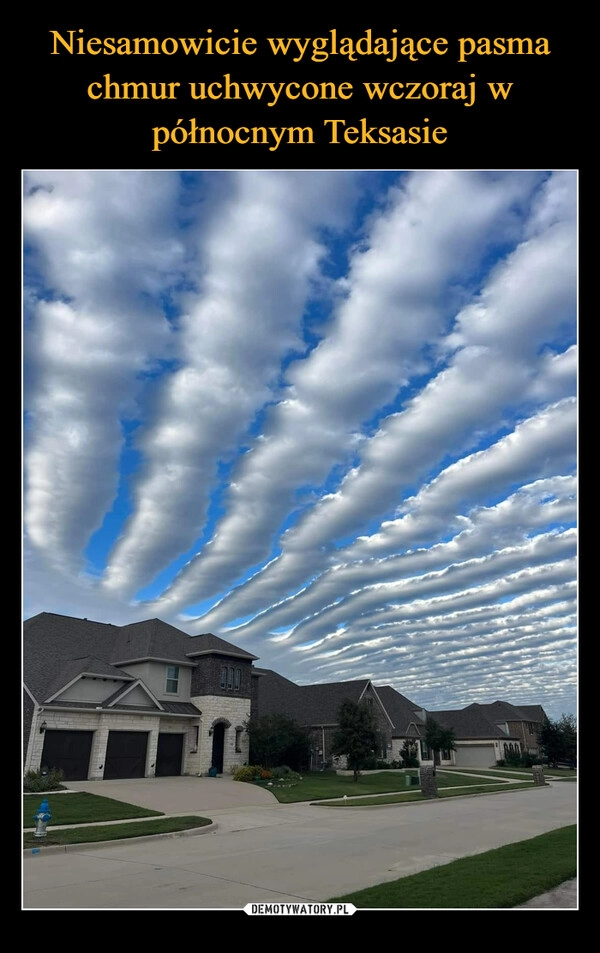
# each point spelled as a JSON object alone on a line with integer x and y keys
{"x": 101, "y": 723}
{"x": 233, "y": 712}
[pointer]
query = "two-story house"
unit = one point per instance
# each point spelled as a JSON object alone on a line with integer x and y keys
{"x": 107, "y": 701}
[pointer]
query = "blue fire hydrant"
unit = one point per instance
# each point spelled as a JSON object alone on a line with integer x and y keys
{"x": 41, "y": 818}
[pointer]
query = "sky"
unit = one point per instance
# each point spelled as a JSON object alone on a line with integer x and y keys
{"x": 327, "y": 416}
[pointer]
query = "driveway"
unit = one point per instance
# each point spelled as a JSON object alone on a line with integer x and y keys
{"x": 180, "y": 795}
{"x": 285, "y": 852}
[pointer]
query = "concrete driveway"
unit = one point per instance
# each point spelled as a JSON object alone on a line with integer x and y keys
{"x": 181, "y": 795}
{"x": 285, "y": 852}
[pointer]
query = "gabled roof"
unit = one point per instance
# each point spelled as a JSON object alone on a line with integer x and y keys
{"x": 469, "y": 723}
{"x": 53, "y": 646}
{"x": 306, "y": 704}
{"x": 402, "y": 712}
{"x": 533, "y": 713}
{"x": 151, "y": 638}
{"x": 56, "y": 647}
{"x": 211, "y": 644}
{"x": 85, "y": 666}
{"x": 501, "y": 711}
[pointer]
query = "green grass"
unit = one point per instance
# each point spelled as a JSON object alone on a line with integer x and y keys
{"x": 487, "y": 788}
{"x": 560, "y": 773}
{"x": 328, "y": 784}
{"x": 499, "y": 878}
{"x": 81, "y": 808}
{"x": 91, "y": 835}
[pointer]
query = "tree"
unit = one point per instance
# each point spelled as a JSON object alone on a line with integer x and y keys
{"x": 277, "y": 740}
{"x": 409, "y": 754}
{"x": 558, "y": 740}
{"x": 357, "y": 735}
{"x": 438, "y": 738}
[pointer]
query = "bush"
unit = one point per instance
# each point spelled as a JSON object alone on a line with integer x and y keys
{"x": 43, "y": 780}
{"x": 247, "y": 773}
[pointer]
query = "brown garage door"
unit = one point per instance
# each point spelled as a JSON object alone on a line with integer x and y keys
{"x": 126, "y": 754}
{"x": 70, "y": 751}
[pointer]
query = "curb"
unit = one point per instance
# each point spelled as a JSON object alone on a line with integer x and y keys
{"x": 67, "y": 848}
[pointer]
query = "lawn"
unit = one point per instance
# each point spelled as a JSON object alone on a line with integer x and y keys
{"x": 328, "y": 784}
{"x": 488, "y": 787}
{"x": 90, "y": 835}
{"x": 564, "y": 774}
{"x": 81, "y": 808}
{"x": 500, "y": 878}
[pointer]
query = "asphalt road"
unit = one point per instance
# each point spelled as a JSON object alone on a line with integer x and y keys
{"x": 289, "y": 852}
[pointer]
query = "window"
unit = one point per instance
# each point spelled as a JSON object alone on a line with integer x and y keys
{"x": 237, "y": 679}
{"x": 238, "y": 738}
{"x": 172, "y": 683}
{"x": 230, "y": 680}
{"x": 223, "y": 681}
{"x": 424, "y": 752}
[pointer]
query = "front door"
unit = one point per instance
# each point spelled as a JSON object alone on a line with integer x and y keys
{"x": 218, "y": 746}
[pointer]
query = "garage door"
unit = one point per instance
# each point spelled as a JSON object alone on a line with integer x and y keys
{"x": 475, "y": 756}
{"x": 70, "y": 751}
{"x": 126, "y": 754}
{"x": 168, "y": 755}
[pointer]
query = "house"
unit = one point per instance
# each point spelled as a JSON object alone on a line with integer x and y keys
{"x": 479, "y": 742}
{"x": 107, "y": 701}
{"x": 315, "y": 708}
{"x": 519, "y": 721}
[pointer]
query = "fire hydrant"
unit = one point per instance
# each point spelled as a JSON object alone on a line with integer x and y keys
{"x": 41, "y": 819}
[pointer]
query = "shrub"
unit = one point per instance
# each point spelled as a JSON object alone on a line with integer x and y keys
{"x": 43, "y": 780}
{"x": 265, "y": 775}
{"x": 247, "y": 773}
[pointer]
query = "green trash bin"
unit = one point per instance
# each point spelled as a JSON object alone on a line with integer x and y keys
{"x": 212, "y": 772}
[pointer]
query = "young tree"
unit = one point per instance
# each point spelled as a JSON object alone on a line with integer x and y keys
{"x": 277, "y": 740}
{"x": 438, "y": 738}
{"x": 357, "y": 735}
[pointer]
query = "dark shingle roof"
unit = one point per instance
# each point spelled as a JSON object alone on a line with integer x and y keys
{"x": 88, "y": 666}
{"x": 53, "y": 643}
{"x": 533, "y": 713}
{"x": 306, "y": 704}
{"x": 401, "y": 710}
{"x": 151, "y": 638}
{"x": 469, "y": 723}
{"x": 504, "y": 711}
{"x": 54, "y": 647}
{"x": 209, "y": 643}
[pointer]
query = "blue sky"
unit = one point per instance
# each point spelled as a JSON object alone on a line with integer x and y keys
{"x": 329, "y": 416}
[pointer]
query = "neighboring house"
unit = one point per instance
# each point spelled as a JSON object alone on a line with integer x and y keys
{"x": 520, "y": 721}
{"x": 479, "y": 742}
{"x": 315, "y": 708}
{"x": 106, "y": 701}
